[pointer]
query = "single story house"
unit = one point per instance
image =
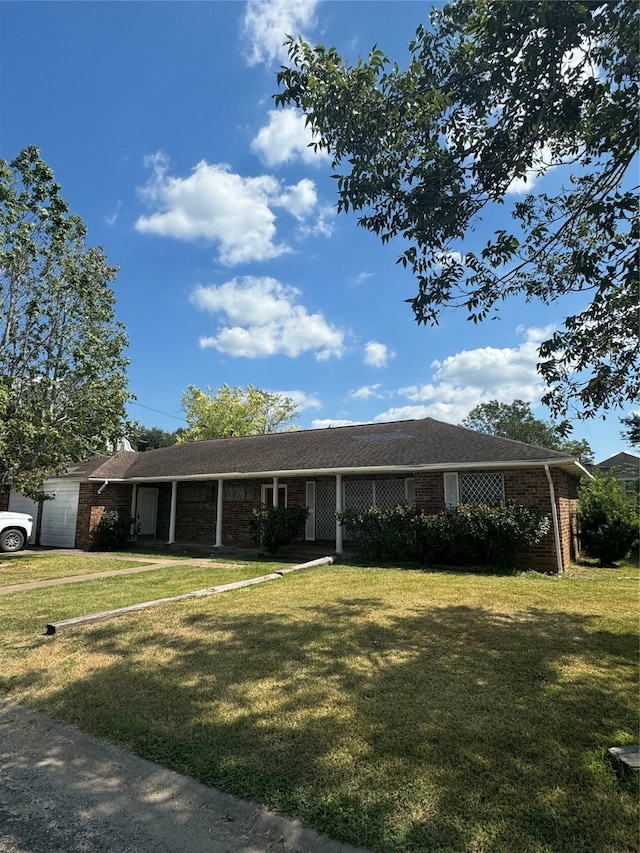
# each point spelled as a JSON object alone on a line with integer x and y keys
{"x": 208, "y": 490}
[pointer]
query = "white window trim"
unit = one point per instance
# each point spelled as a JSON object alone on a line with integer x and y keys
{"x": 281, "y": 487}
{"x": 451, "y": 489}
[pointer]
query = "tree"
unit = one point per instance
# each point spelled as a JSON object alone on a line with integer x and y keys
{"x": 150, "y": 438}
{"x": 496, "y": 91}
{"x": 63, "y": 382}
{"x": 516, "y": 420}
{"x": 608, "y": 520}
{"x": 631, "y": 433}
{"x": 234, "y": 411}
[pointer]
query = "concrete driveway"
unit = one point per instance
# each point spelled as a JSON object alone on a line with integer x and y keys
{"x": 62, "y": 791}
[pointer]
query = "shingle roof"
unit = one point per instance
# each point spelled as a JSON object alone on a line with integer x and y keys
{"x": 417, "y": 444}
{"x": 625, "y": 463}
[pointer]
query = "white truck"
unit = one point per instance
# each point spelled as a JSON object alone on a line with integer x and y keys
{"x": 15, "y": 530}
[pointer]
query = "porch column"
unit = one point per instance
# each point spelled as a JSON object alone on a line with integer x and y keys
{"x": 134, "y": 501}
{"x": 275, "y": 493}
{"x": 172, "y": 514}
{"x": 219, "y": 514}
{"x": 339, "y": 529}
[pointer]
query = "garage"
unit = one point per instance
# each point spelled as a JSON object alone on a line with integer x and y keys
{"x": 59, "y": 516}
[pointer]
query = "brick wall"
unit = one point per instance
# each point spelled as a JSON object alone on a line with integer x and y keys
{"x": 429, "y": 492}
{"x": 91, "y": 507}
{"x": 197, "y": 502}
{"x": 528, "y": 487}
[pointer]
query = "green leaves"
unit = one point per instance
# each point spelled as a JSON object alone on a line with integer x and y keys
{"x": 516, "y": 421}
{"x": 471, "y": 534}
{"x": 62, "y": 363}
{"x": 494, "y": 92}
{"x": 234, "y": 411}
{"x": 608, "y": 520}
{"x": 275, "y": 527}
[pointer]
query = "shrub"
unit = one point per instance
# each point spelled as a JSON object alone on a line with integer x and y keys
{"x": 607, "y": 519}
{"x": 278, "y": 526}
{"x": 473, "y": 534}
{"x": 112, "y": 531}
{"x": 389, "y": 534}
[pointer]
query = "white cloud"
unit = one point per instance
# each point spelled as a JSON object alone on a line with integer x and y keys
{"x": 215, "y": 205}
{"x": 263, "y": 318}
{"x": 302, "y": 399}
{"x": 286, "y": 138}
{"x": 468, "y": 378}
{"x": 377, "y": 354}
{"x": 361, "y": 277}
{"x": 543, "y": 160}
{"x": 299, "y": 199}
{"x": 266, "y": 24}
{"x": 366, "y": 392}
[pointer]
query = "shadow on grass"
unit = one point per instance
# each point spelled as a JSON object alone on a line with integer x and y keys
{"x": 451, "y": 729}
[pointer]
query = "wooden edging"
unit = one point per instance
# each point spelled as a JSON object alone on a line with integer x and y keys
{"x": 53, "y": 627}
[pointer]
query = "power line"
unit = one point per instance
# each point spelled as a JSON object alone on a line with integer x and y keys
{"x": 158, "y": 412}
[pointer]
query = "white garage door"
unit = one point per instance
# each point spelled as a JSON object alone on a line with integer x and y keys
{"x": 59, "y": 516}
{"x": 20, "y": 503}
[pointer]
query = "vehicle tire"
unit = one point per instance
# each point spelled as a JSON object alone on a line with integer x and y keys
{"x": 11, "y": 540}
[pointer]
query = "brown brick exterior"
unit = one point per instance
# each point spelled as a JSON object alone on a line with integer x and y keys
{"x": 197, "y": 506}
{"x": 92, "y": 505}
{"x": 528, "y": 487}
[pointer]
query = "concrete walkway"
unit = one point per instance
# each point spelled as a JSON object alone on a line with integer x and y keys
{"x": 146, "y": 566}
{"x": 62, "y": 791}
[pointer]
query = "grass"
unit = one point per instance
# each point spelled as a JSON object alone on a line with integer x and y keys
{"x": 26, "y": 566}
{"x": 405, "y": 711}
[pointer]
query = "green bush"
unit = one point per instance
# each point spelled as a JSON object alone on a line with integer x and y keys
{"x": 474, "y": 534}
{"x": 607, "y": 519}
{"x": 389, "y": 534}
{"x": 278, "y": 526}
{"x": 113, "y": 531}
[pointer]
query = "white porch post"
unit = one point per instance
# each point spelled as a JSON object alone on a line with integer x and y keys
{"x": 219, "y": 514}
{"x": 339, "y": 529}
{"x": 275, "y": 493}
{"x": 172, "y": 514}
{"x": 134, "y": 502}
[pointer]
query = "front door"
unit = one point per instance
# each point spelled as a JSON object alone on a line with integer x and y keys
{"x": 147, "y": 511}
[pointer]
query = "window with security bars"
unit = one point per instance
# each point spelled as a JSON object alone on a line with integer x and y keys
{"x": 358, "y": 494}
{"x": 390, "y": 493}
{"x": 363, "y": 494}
{"x": 484, "y": 488}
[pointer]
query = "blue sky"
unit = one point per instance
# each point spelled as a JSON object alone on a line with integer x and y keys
{"x": 158, "y": 121}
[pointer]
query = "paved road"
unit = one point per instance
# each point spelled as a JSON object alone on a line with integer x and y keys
{"x": 64, "y": 792}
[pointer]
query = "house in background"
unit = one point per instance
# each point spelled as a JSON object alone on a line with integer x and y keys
{"x": 625, "y": 467}
{"x": 207, "y": 491}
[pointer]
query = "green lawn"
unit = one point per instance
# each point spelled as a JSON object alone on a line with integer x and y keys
{"x": 399, "y": 710}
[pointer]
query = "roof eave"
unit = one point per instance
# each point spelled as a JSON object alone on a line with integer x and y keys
{"x": 567, "y": 463}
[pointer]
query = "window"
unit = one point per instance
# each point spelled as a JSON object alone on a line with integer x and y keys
{"x": 361, "y": 495}
{"x": 266, "y": 496}
{"x": 481, "y": 488}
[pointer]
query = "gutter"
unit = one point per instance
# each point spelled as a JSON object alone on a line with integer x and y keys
{"x": 554, "y": 516}
{"x": 372, "y": 469}
{"x": 103, "y": 487}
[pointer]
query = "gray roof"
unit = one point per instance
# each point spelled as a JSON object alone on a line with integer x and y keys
{"x": 400, "y": 446}
{"x": 625, "y": 463}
